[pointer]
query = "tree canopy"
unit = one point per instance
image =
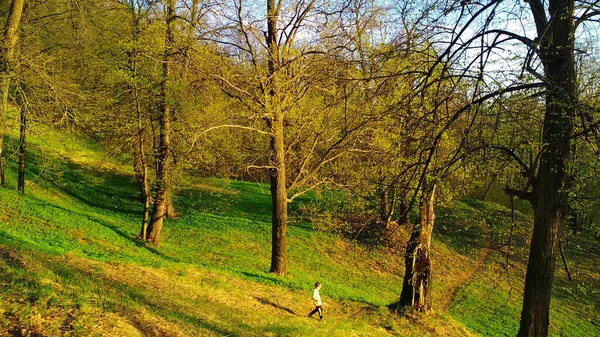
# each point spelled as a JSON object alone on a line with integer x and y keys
{"x": 396, "y": 105}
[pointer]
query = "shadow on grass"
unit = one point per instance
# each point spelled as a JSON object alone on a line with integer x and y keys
{"x": 89, "y": 184}
{"x": 114, "y": 193}
{"x": 123, "y": 299}
{"x": 304, "y": 225}
{"x": 275, "y": 305}
{"x": 117, "y": 230}
{"x": 137, "y": 241}
{"x": 240, "y": 199}
{"x": 264, "y": 278}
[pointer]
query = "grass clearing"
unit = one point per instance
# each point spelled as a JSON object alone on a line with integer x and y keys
{"x": 70, "y": 263}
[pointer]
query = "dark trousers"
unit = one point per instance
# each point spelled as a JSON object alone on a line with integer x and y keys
{"x": 317, "y": 309}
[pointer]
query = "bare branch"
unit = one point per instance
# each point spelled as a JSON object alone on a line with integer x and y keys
{"x": 526, "y": 169}
{"x": 226, "y": 126}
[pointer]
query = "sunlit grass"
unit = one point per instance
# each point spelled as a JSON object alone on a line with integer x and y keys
{"x": 71, "y": 263}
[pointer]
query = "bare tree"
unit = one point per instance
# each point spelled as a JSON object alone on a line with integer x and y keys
{"x": 274, "y": 74}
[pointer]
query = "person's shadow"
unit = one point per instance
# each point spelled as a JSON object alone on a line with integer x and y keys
{"x": 275, "y": 305}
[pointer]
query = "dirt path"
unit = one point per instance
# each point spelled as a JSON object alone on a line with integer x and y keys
{"x": 466, "y": 277}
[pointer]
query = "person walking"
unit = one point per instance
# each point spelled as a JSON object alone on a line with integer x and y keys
{"x": 317, "y": 301}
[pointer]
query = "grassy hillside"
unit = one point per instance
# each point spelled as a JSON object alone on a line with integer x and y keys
{"x": 70, "y": 263}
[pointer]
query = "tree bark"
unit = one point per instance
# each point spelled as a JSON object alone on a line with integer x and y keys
{"x": 279, "y": 199}
{"x": 22, "y": 133}
{"x": 140, "y": 167}
{"x": 170, "y": 208}
{"x": 144, "y": 187}
{"x": 416, "y": 287}
{"x": 160, "y": 202}
{"x": 549, "y": 197}
{"x": 9, "y": 41}
{"x": 277, "y": 173}
{"x": 384, "y": 204}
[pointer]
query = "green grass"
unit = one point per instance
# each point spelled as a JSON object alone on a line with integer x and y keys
{"x": 484, "y": 308}
{"x": 492, "y": 308}
{"x": 491, "y": 303}
{"x": 70, "y": 262}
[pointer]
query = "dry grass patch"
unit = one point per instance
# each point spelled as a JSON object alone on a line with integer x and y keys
{"x": 214, "y": 189}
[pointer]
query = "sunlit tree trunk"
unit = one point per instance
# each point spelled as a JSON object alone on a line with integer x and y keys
{"x": 277, "y": 172}
{"x": 9, "y": 41}
{"x": 162, "y": 193}
{"x": 279, "y": 199}
{"x": 416, "y": 287}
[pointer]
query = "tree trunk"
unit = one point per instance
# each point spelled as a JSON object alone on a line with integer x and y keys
{"x": 140, "y": 167}
{"x": 143, "y": 167}
{"x": 549, "y": 197}
{"x": 416, "y": 287}
{"x": 279, "y": 199}
{"x": 277, "y": 173}
{"x": 403, "y": 210}
{"x": 392, "y": 205}
{"x": 9, "y": 41}
{"x": 144, "y": 187}
{"x": 22, "y": 133}
{"x": 170, "y": 209}
{"x": 137, "y": 168}
{"x": 4, "y": 86}
{"x": 160, "y": 202}
{"x": 384, "y": 204}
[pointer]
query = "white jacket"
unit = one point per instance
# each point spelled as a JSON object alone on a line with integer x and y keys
{"x": 317, "y": 298}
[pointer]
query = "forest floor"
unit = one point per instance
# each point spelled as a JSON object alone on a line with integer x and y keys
{"x": 71, "y": 265}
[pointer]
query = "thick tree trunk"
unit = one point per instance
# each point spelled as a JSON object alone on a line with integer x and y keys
{"x": 160, "y": 202}
{"x": 277, "y": 173}
{"x": 22, "y": 133}
{"x": 279, "y": 199}
{"x": 549, "y": 197}
{"x": 9, "y": 41}
{"x": 416, "y": 287}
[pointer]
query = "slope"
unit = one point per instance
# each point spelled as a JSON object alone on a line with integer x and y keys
{"x": 71, "y": 264}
